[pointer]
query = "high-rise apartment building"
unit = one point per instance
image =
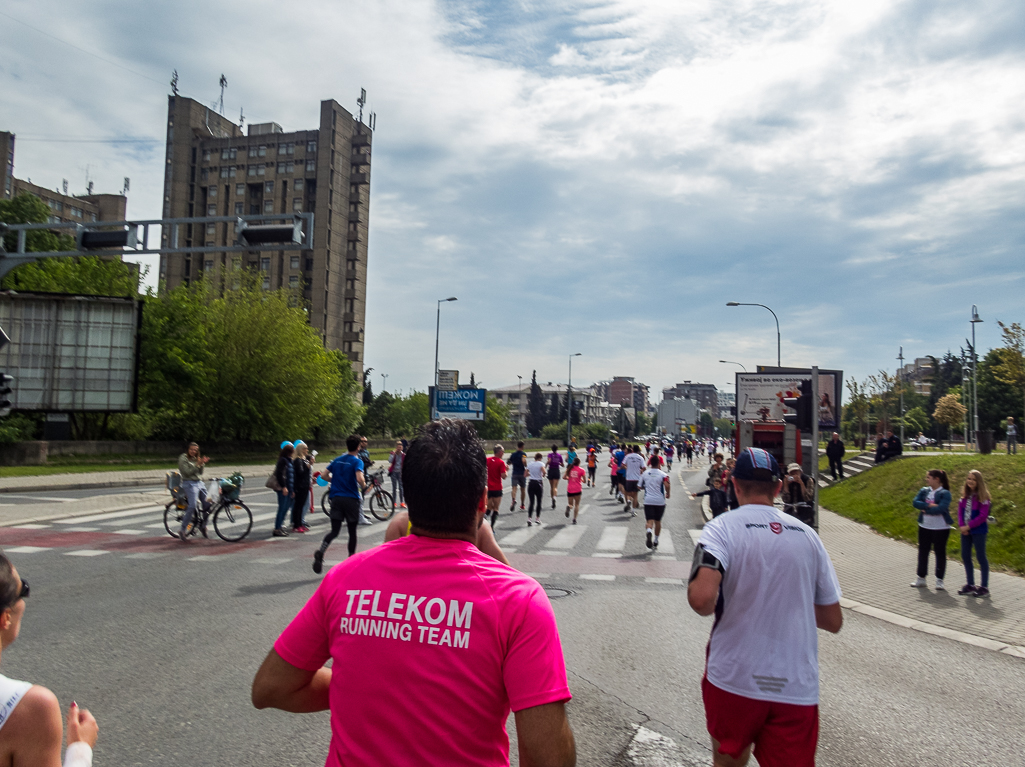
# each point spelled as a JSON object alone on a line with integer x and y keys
{"x": 64, "y": 207}
{"x": 706, "y": 395}
{"x": 213, "y": 168}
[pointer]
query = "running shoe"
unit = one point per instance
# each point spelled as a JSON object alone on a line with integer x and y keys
{"x": 279, "y": 533}
{"x": 918, "y": 583}
{"x": 522, "y": 507}
{"x": 626, "y": 508}
{"x": 939, "y": 585}
{"x": 654, "y": 544}
{"x": 402, "y": 505}
{"x": 966, "y": 590}
{"x": 982, "y": 591}
{"x": 318, "y": 561}
{"x": 567, "y": 512}
{"x": 529, "y": 523}
{"x": 647, "y": 539}
{"x": 363, "y": 520}
{"x": 574, "y": 520}
{"x": 553, "y": 503}
{"x": 513, "y": 507}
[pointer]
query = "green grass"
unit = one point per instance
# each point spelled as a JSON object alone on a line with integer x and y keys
{"x": 848, "y": 453}
{"x": 881, "y": 498}
{"x": 89, "y": 464}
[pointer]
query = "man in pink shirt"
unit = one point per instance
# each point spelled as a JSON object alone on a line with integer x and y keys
{"x": 458, "y": 639}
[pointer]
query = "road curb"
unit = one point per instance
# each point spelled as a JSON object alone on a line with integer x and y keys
{"x": 930, "y": 628}
{"x": 42, "y": 488}
{"x": 81, "y": 513}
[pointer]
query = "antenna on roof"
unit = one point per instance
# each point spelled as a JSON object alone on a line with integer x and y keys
{"x": 361, "y": 101}
{"x": 241, "y": 117}
{"x": 174, "y": 82}
{"x": 65, "y": 185}
{"x": 124, "y": 190}
{"x": 224, "y": 84}
{"x": 373, "y": 121}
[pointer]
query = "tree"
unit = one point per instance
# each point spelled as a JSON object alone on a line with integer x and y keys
{"x": 536, "y": 416}
{"x": 1010, "y": 363}
{"x": 496, "y": 420}
{"x": 343, "y": 411}
{"x": 707, "y": 424}
{"x": 643, "y": 423}
{"x": 949, "y": 412}
{"x": 407, "y": 414}
{"x": 916, "y": 420}
{"x": 244, "y": 366}
{"x": 85, "y": 275}
{"x": 555, "y": 409}
{"x": 368, "y": 389}
{"x": 473, "y": 381}
{"x": 997, "y": 399}
{"x": 375, "y": 421}
{"x": 858, "y": 405}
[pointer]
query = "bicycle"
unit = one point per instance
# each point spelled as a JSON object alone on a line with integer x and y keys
{"x": 232, "y": 519}
{"x": 375, "y": 498}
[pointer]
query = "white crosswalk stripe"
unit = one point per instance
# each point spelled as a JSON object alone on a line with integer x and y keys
{"x": 519, "y": 537}
{"x": 665, "y": 543}
{"x": 25, "y": 549}
{"x": 86, "y": 553}
{"x": 133, "y": 512}
{"x": 694, "y": 535}
{"x": 567, "y": 537}
{"x": 613, "y": 538}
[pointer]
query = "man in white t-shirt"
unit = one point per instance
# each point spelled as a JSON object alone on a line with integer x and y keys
{"x": 769, "y": 581}
{"x": 655, "y": 484}
{"x": 634, "y": 464}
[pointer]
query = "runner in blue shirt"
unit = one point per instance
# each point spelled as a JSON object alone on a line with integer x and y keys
{"x": 345, "y": 473}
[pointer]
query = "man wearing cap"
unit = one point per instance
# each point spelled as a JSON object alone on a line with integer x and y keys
{"x": 798, "y": 489}
{"x": 769, "y": 581}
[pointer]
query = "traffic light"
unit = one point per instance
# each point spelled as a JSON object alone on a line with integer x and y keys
{"x": 802, "y": 407}
{"x": 106, "y": 239}
{"x": 5, "y": 393}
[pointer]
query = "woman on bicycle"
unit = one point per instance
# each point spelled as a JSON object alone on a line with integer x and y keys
{"x": 552, "y": 466}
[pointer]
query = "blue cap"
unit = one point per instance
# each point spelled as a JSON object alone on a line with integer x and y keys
{"x": 285, "y": 444}
{"x": 757, "y": 465}
{"x": 297, "y": 443}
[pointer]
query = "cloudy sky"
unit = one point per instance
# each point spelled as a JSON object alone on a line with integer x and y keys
{"x": 597, "y": 177}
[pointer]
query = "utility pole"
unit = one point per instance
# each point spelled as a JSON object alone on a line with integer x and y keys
{"x": 900, "y": 383}
{"x": 569, "y": 401}
{"x": 815, "y": 444}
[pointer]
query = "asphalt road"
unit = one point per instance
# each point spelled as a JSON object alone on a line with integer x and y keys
{"x": 161, "y": 640}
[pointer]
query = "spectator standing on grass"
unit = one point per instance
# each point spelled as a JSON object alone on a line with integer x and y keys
{"x": 302, "y": 471}
{"x": 934, "y": 523}
{"x": 835, "y": 452}
{"x": 30, "y": 717}
{"x": 457, "y": 639}
{"x": 284, "y": 472}
{"x": 1012, "y": 437}
{"x": 973, "y": 522}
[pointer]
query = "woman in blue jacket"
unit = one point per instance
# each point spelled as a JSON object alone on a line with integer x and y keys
{"x": 934, "y": 522}
{"x": 973, "y": 521}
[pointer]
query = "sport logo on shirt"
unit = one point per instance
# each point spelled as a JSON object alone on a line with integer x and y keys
{"x": 776, "y": 527}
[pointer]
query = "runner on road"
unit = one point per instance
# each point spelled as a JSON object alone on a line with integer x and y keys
{"x": 345, "y": 475}
{"x": 669, "y": 456}
{"x": 496, "y": 473}
{"x": 574, "y": 480}
{"x": 769, "y": 581}
{"x": 655, "y": 484}
{"x": 592, "y": 466}
{"x": 614, "y": 478}
{"x": 518, "y": 461}
{"x": 634, "y": 467}
{"x": 552, "y": 465}
{"x": 535, "y": 487}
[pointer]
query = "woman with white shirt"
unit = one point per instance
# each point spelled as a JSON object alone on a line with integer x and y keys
{"x": 535, "y": 487}
{"x": 934, "y": 523}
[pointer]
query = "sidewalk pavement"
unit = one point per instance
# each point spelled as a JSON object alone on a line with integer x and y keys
{"x": 875, "y": 574}
{"x": 92, "y": 480}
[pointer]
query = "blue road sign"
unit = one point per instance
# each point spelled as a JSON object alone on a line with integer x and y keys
{"x": 466, "y": 404}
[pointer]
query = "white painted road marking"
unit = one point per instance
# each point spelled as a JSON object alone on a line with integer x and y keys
{"x": 567, "y": 537}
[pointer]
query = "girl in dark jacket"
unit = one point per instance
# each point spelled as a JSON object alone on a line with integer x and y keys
{"x": 302, "y": 469}
{"x": 934, "y": 523}
{"x": 973, "y": 522}
{"x": 285, "y": 474}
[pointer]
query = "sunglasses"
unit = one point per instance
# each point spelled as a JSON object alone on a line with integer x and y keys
{"x": 24, "y": 589}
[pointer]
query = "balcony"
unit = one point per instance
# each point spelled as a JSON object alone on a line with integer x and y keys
{"x": 359, "y": 178}
{"x": 354, "y": 216}
{"x": 361, "y": 139}
{"x": 360, "y": 159}
{"x": 352, "y": 234}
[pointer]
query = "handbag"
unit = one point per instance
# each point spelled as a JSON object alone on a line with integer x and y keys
{"x": 272, "y": 482}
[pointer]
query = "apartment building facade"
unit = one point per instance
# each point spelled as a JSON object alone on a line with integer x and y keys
{"x": 706, "y": 395}
{"x": 213, "y": 168}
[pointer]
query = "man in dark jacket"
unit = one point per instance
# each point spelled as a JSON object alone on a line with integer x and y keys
{"x": 835, "y": 453}
{"x": 894, "y": 446}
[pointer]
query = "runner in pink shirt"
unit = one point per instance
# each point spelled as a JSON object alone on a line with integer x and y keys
{"x": 574, "y": 487}
{"x": 457, "y": 639}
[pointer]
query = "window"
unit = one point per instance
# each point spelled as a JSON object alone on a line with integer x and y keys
{"x": 286, "y": 148}
{"x": 208, "y": 265}
{"x": 350, "y": 284}
{"x": 281, "y": 167}
{"x": 252, "y": 151}
{"x": 211, "y": 228}
{"x": 311, "y": 165}
{"x": 266, "y": 283}
{"x": 254, "y": 210}
{"x": 211, "y": 192}
{"x": 261, "y": 170}
{"x": 251, "y": 171}
{"x": 293, "y": 281}
{"x": 351, "y": 265}
{"x": 92, "y": 217}
{"x": 311, "y": 146}
{"x": 229, "y": 154}
{"x": 268, "y": 187}
{"x": 299, "y": 184}
{"x": 225, "y": 171}
{"x": 309, "y": 264}
{"x": 239, "y": 208}
{"x": 268, "y": 206}
{"x": 264, "y": 264}
{"x": 347, "y": 327}
{"x": 54, "y": 220}
{"x": 206, "y": 155}
{"x": 289, "y": 167}
{"x": 293, "y": 262}
{"x": 263, "y": 151}
{"x": 352, "y": 245}
{"x": 236, "y": 264}
{"x": 240, "y": 189}
{"x": 347, "y": 346}
{"x": 297, "y": 205}
{"x": 204, "y": 174}
{"x": 350, "y": 305}
{"x": 76, "y": 212}
{"x": 211, "y": 210}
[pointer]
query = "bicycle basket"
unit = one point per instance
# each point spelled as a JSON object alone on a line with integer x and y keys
{"x": 232, "y": 486}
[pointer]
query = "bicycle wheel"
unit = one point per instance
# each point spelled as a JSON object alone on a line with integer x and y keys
{"x": 172, "y": 519}
{"x": 232, "y": 521}
{"x": 325, "y": 502}
{"x": 381, "y": 505}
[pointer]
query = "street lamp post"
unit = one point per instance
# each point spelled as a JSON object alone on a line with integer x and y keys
{"x": 384, "y": 386}
{"x": 437, "y": 332}
{"x": 975, "y": 380}
{"x": 900, "y": 383}
{"x": 569, "y": 400}
{"x": 731, "y": 362}
{"x": 736, "y": 303}
{"x": 519, "y": 406}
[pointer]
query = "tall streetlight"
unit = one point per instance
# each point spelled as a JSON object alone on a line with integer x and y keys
{"x": 900, "y": 383}
{"x": 736, "y": 303}
{"x": 384, "y": 386}
{"x": 975, "y": 380}
{"x": 569, "y": 399}
{"x": 731, "y": 362}
{"x": 437, "y": 331}
{"x": 519, "y": 406}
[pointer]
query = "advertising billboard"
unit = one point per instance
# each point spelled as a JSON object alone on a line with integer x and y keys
{"x": 466, "y": 404}
{"x": 760, "y": 395}
{"x": 70, "y": 353}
